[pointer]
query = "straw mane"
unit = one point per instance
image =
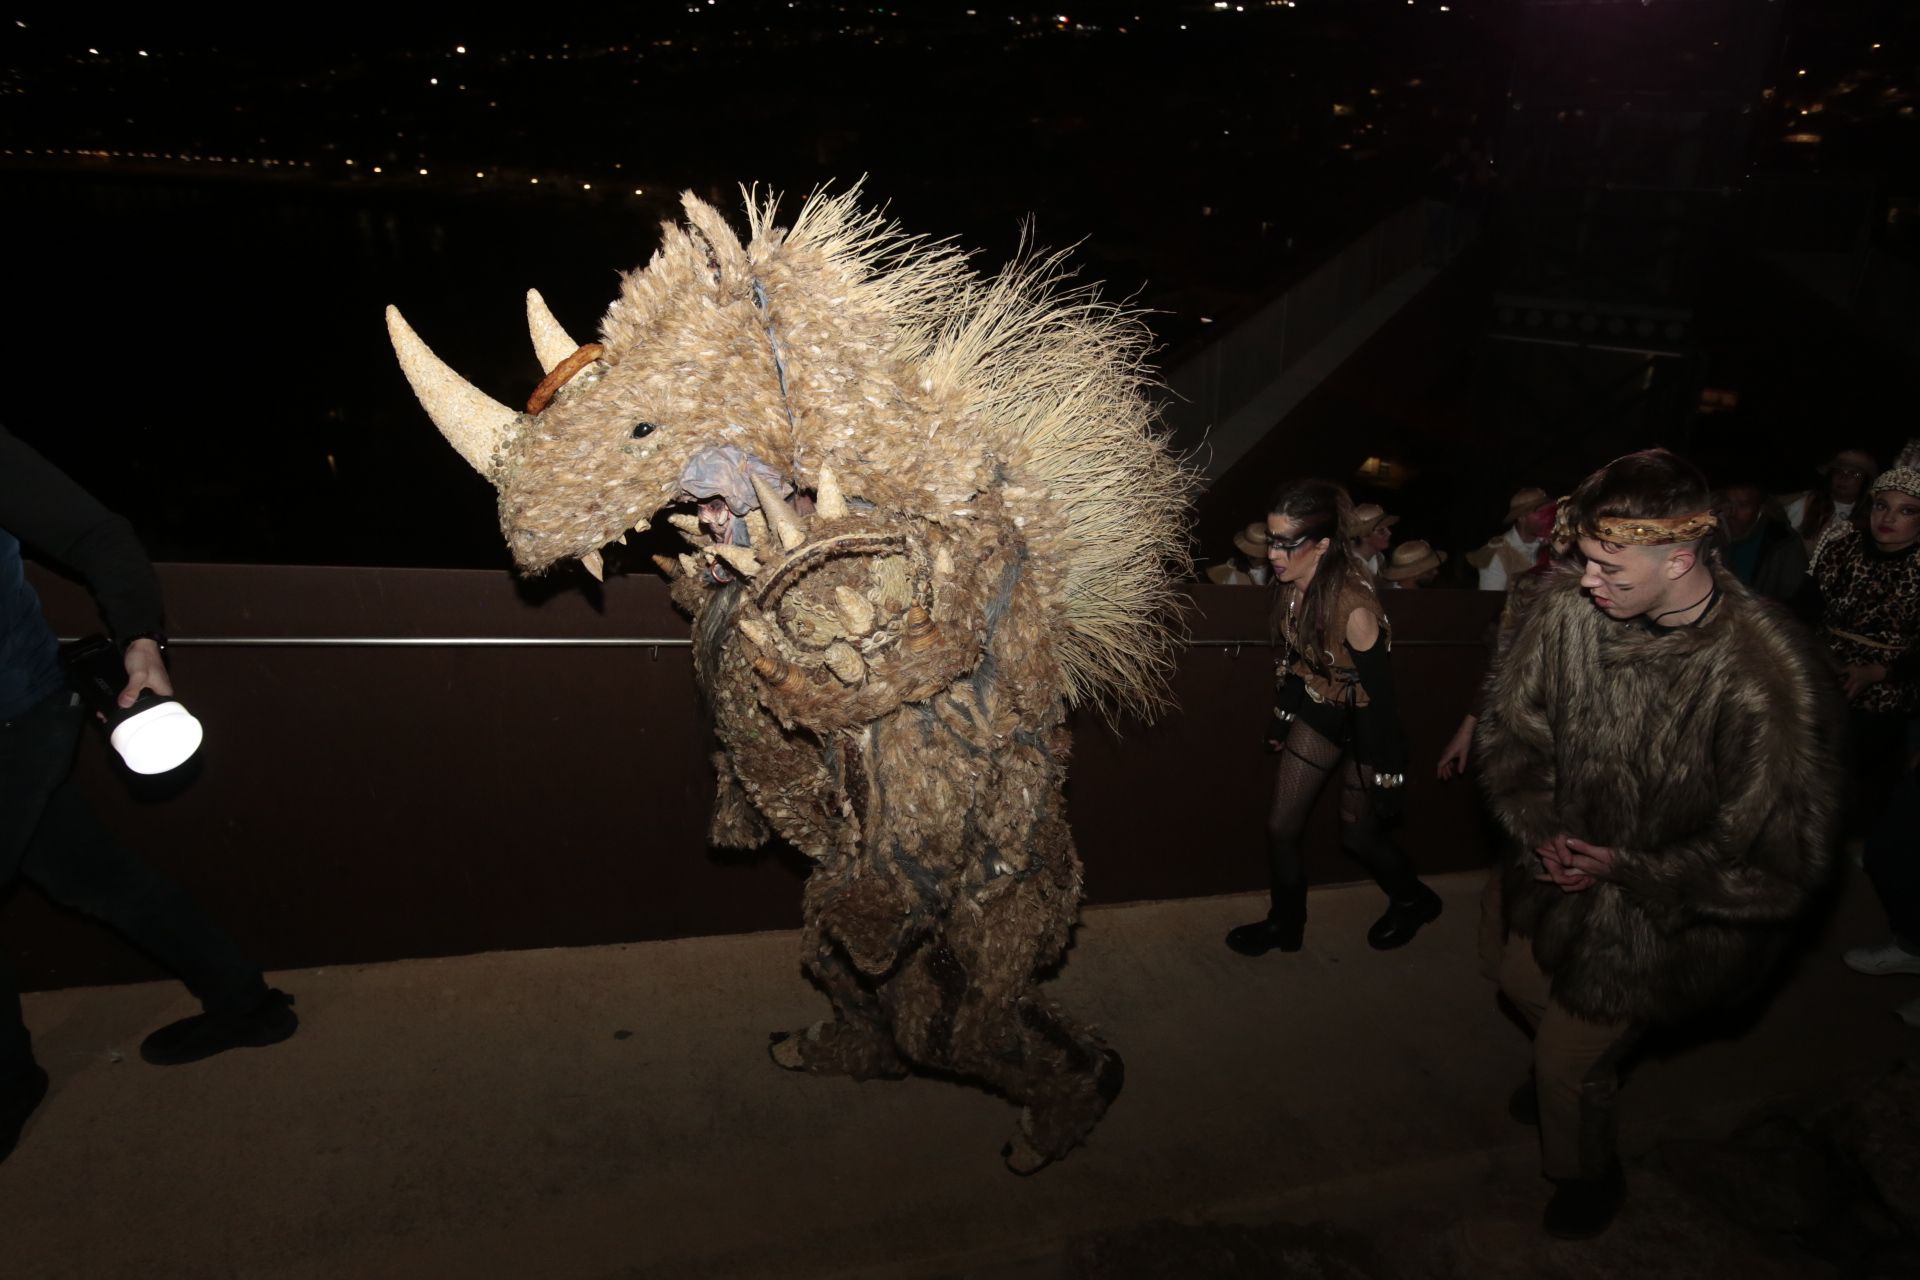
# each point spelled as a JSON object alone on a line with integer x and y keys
{"x": 925, "y": 386}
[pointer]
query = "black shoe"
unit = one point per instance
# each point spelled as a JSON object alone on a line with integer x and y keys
{"x": 1582, "y": 1208}
{"x": 1403, "y": 919}
{"x": 16, "y": 1104}
{"x": 1524, "y": 1106}
{"x": 1262, "y": 936}
{"x": 205, "y": 1034}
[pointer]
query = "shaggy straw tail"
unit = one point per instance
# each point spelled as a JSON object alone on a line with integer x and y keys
{"x": 784, "y": 519}
{"x": 551, "y": 344}
{"x": 473, "y": 422}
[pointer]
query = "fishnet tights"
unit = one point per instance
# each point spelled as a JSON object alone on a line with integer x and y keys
{"x": 1305, "y": 763}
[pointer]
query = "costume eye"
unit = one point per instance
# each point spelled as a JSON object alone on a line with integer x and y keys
{"x": 641, "y": 430}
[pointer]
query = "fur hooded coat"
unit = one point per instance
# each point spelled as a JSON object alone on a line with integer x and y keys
{"x": 1700, "y": 755}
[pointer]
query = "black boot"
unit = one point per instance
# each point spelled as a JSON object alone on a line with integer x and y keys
{"x": 1403, "y": 918}
{"x": 1582, "y": 1208}
{"x": 205, "y": 1034}
{"x": 1280, "y": 931}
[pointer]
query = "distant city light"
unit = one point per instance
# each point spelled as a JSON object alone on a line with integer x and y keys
{"x": 435, "y": 80}
{"x": 423, "y": 173}
{"x": 479, "y": 175}
{"x": 459, "y": 48}
{"x": 376, "y": 168}
{"x": 1206, "y": 319}
{"x": 535, "y": 181}
{"x": 586, "y": 186}
{"x": 143, "y": 53}
{"x": 1802, "y": 71}
{"x": 349, "y": 162}
{"x": 96, "y": 52}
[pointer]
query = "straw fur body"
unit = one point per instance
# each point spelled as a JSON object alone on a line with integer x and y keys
{"x": 890, "y": 678}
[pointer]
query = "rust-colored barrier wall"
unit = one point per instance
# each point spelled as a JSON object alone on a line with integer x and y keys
{"x": 377, "y": 801}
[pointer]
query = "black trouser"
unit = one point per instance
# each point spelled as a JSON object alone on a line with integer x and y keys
{"x": 1893, "y": 860}
{"x": 49, "y": 835}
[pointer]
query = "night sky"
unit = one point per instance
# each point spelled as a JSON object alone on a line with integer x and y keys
{"x": 211, "y": 214}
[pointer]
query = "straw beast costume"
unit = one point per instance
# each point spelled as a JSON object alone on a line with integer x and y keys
{"x": 889, "y": 677}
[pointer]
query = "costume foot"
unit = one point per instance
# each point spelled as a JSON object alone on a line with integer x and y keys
{"x": 830, "y": 1049}
{"x": 1050, "y": 1130}
{"x": 1881, "y": 959}
{"x": 16, "y": 1104}
{"x": 1262, "y": 936}
{"x": 1582, "y": 1208}
{"x": 1022, "y": 1157}
{"x": 205, "y": 1034}
{"x": 1403, "y": 919}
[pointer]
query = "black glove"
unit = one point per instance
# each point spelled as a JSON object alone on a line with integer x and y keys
{"x": 1289, "y": 695}
{"x": 1378, "y": 744}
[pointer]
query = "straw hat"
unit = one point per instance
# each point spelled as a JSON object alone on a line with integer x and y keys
{"x": 1411, "y": 559}
{"x": 1252, "y": 540}
{"x": 1525, "y": 503}
{"x": 1367, "y": 517}
{"x": 1856, "y": 460}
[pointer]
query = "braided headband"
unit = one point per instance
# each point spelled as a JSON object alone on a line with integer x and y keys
{"x": 1904, "y": 479}
{"x": 1639, "y": 531}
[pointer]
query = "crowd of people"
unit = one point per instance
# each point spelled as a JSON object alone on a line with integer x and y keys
{"x": 1666, "y": 825}
{"x": 1769, "y": 537}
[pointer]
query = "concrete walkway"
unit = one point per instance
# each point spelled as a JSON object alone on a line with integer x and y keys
{"x": 612, "y": 1112}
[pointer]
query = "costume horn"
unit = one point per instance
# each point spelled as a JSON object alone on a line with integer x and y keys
{"x": 472, "y": 421}
{"x": 784, "y": 519}
{"x": 828, "y": 502}
{"x": 551, "y": 344}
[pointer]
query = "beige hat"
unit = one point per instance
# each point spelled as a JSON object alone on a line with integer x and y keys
{"x": 1411, "y": 559}
{"x": 1525, "y": 503}
{"x": 1252, "y": 540}
{"x": 1367, "y": 517}
{"x": 1855, "y": 460}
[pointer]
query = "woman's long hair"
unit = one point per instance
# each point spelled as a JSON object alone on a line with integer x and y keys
{"x": 1324, "y": 511}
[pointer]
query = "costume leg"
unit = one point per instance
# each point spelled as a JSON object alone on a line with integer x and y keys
{"x": 1306, "y": 759}
{"x": 1362, "y": 836}
{"x": 967, "y": 1002}
{"x": 855, "y": 1041}
{"x": 1493, "y": 925}
{"x": 76, "y": 862}
{"x": 1576, "y": 1070}
{"x": 1410, "y": 904}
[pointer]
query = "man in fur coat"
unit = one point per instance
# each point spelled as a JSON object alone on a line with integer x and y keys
{"x": 1653, "y": 743}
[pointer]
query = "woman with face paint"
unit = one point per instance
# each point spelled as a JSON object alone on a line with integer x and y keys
{"x": 1333, "y": 712}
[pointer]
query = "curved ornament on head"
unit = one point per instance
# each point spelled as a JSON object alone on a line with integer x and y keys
{"x": 473, "y": 422}
{"x": 551, "y": 345}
